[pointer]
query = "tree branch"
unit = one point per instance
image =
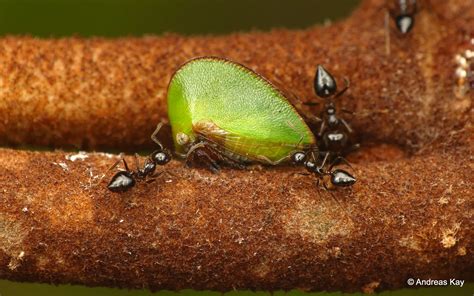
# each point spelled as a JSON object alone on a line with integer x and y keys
{"x": 409, "y": 215}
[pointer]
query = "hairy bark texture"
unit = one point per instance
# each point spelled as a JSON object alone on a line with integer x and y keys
{"x": 409, "y": 215}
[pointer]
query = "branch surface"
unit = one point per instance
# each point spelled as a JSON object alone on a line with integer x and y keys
{"x": 101, "y": 93}
{"x": 258, "y": 229}
{"x": 409, "y": 215}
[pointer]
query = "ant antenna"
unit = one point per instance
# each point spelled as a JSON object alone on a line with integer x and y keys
{"x": 339, "y": 205}
{"x": 154, "y": 137}
{"x": 347, "y": 83}
{"x": 324, "y": 160}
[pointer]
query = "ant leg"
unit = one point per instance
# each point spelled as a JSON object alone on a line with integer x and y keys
{"x": 137, "y": 161}
{"x": 150, "y": 180}
{"x": 114, "y": 165}
{"x": 325, "y": 186}
{"x": 313, "y": 155}
{"x": 316, "y": 118}
{"x": 322, "y": 153}
{"x": 170, "y": 174}
{"x": 156, "y": 175}
{"x": 347, "y": 111}
{"x": 310, "y": 103}
{"x": 351, "y": 149}
{"x": 337, "y": 160}
{"x": 111, "y": 168}
{"x": 324, "y": 160}
{"x": 153, "y": 177}
{"x": 339, "y": 205}
{"x": 414, "y": 6}
{"x": 322, "y": 128}
{"x": 348, "y": 127}
{"x": 312, "y": 119}
{"x": 125, "y": 164}
{"x": 392, "y": 12}
{"x": 154, "y": 137}
{"x": 315, "y": 151}
{"x": 303, "y": 174}
{"x": 346, "y": 87}
{"x": 320, "y": 183}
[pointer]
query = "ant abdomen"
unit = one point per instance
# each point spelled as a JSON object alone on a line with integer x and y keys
{"x": 341, "y": 178}
{"x": 403, "y": 14}
{"x": 121, "y": 181}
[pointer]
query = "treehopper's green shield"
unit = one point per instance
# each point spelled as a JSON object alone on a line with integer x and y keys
{"x": 234, "y": 107}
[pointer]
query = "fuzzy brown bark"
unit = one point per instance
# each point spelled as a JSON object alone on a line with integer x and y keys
{"x": 409, "y": 215}
{"x": 258, "y": 229}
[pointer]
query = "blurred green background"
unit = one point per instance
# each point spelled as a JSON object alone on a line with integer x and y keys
{"x": 17, "y": 289}
{"x": 114, "y": 18}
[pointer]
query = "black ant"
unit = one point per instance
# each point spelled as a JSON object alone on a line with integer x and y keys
{"x": 338, "y": 177}
{"x": 403, "y": 14}
{"x": 334, "y": 132}
{"x": 124, "y": 180}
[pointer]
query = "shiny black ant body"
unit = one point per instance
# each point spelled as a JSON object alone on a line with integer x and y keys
{"x": 334, "y": 132}
{"x": 338, "y": 177}
{"x": 124, "y": 180}
{"x": 403, "y": 14}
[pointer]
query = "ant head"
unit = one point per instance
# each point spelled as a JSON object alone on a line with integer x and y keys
{"x": 341, "y": 178}
{"x": 121, "y": 181}
{"x": 161, "y": 157}
{"x": 299, "y": 157}
{"x": 404, "y": 23}
{"x": 324, "y": 83}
